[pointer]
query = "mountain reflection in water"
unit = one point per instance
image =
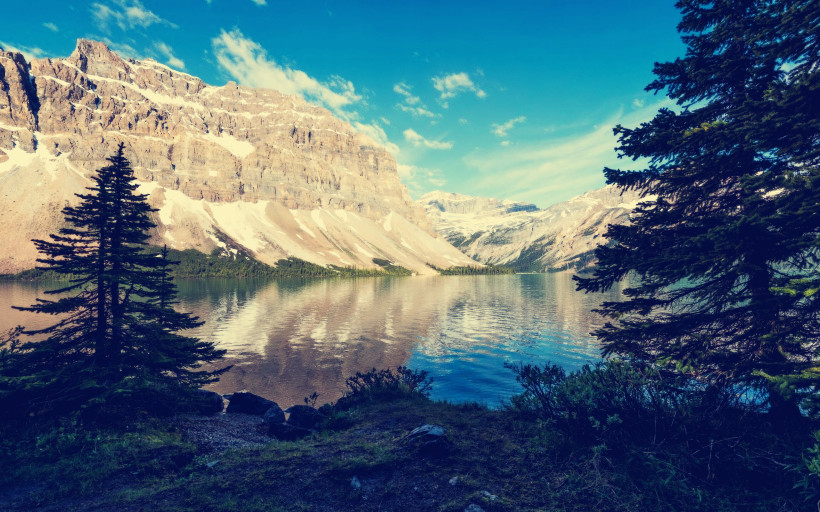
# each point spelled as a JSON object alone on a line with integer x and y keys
{"x": 289, "y": 338}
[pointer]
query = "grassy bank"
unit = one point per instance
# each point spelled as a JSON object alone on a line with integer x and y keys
{"x": 498, "y": 460}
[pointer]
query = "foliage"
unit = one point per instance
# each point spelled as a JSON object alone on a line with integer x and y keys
{"x": 617, "y": 401}
{"x": 390, "y": 268}
{"x": 726, "y": 243}
{"x": 385, "y": 384}
{"x": 116, "y": 332}
{"x": 238, "y": 263}
{"x": 667, "y": 427}
{"x": 527, "y": 465}
{"x": 472, "y": 271}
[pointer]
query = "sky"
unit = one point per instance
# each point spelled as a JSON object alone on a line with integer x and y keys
{"x": 513, "y": 100}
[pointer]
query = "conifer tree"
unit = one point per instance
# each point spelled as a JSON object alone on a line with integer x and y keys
{"x": 724, "y": 250}
{"x": 116, "y": 325}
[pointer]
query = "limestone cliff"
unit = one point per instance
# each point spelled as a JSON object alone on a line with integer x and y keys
{"x": 271, "y": 172}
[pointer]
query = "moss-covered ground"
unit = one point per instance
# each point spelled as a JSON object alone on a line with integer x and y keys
{"x": 495, "y": 460}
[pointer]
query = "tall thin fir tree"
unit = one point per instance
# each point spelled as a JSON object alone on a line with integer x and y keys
{"x": 117, "y": 325}
{"x": 724, "y": 250}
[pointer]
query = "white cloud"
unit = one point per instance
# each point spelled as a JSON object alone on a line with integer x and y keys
{"x": 29, "y": 52}
{"x": 376, "y": 132}
{"x": 420, "y": 180}
{"x": 501, "y": 130}
{"x": 126, "y": 14}
{"x": 547, "y": 172}
{"x": 415, "y": 111}
{"x": 454, "y": 84}
{"x": 404, "y": 90}
{"x": 411, "y": 104}
{"x": 638, "y": 103}
{"x": 170, "y": 58}
{"x": 247, "y": 62}
{"x": 260, "y": 2}
{"x": 417, "y": 140}
{"x": 123, "y": 49}
{"x": 51, "y": 26}
{"x": 505, "y": 143}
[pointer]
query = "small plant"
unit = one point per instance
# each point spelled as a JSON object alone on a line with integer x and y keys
{"x": 310, "y": 400}
{"x": 386, "y": 383}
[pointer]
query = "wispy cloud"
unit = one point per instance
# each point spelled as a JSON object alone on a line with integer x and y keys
{"x": 411, "y": 103}
{"x": 419, "y": 180}
{"x": 168, "y": 53}
{"x": 126, "y": 14}
{"x": 417, "y": 140}
{"x": 260, "y": 2}
{"x": 501, "y": 130}
{"x": 29, "y": 52}
{"x": 247, "y": 62}
{"x": 51, "y": 26}
{"x": 454, "y": 84}
{"x": 547, "y": 172}
{"x": 377, "y": 133}
{"x": 123, "y": 49}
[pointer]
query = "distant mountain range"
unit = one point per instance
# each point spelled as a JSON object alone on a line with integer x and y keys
{"x": 232, "y": 167}
{"x": 522, "y": 236}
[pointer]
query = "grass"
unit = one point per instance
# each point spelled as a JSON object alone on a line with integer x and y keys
{"x": 497, "y": 460}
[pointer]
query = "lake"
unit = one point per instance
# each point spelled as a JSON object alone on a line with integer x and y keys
{"x": 289, "y": 338}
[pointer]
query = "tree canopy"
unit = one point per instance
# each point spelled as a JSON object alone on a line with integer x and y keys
{"x": 723, "y": 253}
{"x": 116, "y": 326}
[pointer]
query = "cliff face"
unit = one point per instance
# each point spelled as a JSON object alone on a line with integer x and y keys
{"x": 520, "y": 235}
{"x": 268, "y": 171}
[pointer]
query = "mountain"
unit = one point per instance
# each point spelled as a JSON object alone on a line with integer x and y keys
{"x": 233, "y": 167}
{"x": 524, "y": 237}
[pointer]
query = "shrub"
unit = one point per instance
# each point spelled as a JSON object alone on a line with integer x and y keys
{"x": 672, "y": 430}
{"x": 386, "y": 384}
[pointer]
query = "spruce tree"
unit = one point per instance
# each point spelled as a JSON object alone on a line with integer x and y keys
{"x": 723, "y": 253}
{"x": 117, "y": 325}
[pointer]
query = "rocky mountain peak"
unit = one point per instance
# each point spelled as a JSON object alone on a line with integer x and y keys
{"x": 227, "y": 166}
{"x": 95, "y": 58}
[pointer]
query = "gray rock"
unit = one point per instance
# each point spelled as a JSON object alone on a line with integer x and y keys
{"x": 248, "y": 403}
{"x": 274, "y": 415}
{"x": 355, "y": 483}
{"x": 304, "y": 416}
{"x": 491, "y": 497}
{"x": 209, "y": 402}
{"x": 428, "y": 439}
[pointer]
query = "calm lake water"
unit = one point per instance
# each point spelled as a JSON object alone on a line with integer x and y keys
{"x": 289, "y": 338}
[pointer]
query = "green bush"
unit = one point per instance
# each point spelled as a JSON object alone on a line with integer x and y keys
{"x": 671, "y": 432}
{"x": 385, "y": 384}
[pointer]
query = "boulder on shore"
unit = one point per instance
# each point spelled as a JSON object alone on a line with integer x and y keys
{"x": 209, "y": 402}
{"x": 304, "y": 416}
{"x": 248, "y": 403}
{"x": 274, "y": 415}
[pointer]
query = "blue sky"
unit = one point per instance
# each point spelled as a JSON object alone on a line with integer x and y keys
{"x": 510, "y": 100}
